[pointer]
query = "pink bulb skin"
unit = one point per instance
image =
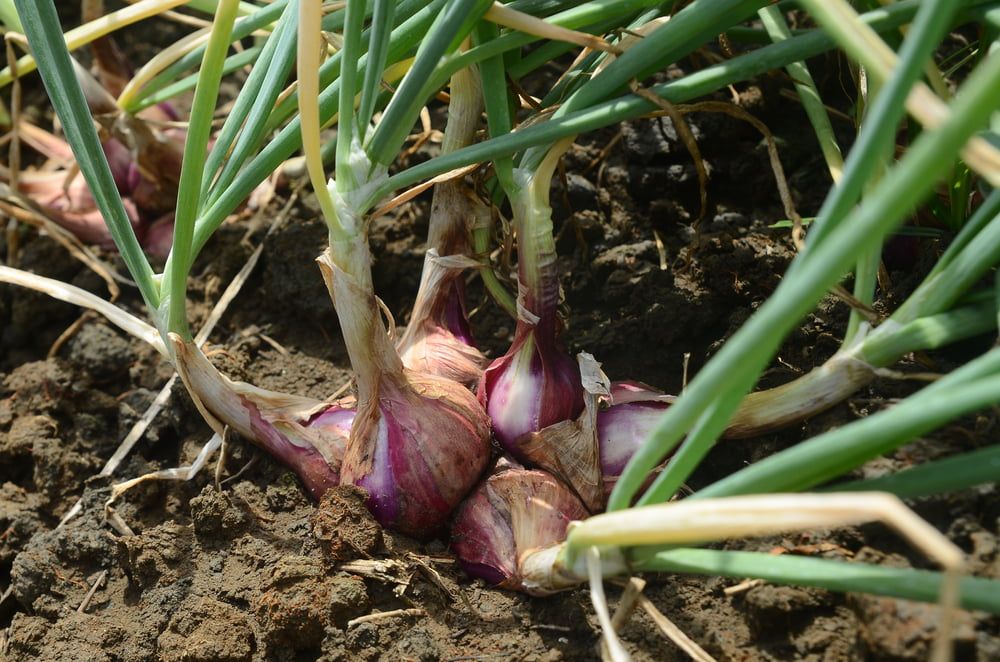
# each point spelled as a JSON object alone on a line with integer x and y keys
{"x": 483, "y": 540}
{"x": 530, "y": 388}
{"x": 454, "y": 317}
{"x": 428, "y": 445}
{"x": 380, "y": 483}
{"x": 621, "y": 430}
{"x": 308, "y": 463}
{"x": 336, "y": 418}
{"x": 514, "y": 512}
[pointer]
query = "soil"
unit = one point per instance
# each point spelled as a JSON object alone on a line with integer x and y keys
{"x": 254, "y": 570}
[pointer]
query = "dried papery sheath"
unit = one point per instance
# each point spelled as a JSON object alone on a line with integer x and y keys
{"x": 570, "y": 449}
{"x": 513, "y": 515}
{"x": 304, "y": 434}
{"x": 419, "y": 442}
{"x": 438, "y": 339}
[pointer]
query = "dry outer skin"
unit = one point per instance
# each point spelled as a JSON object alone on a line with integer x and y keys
{"x": 258, "y": 572}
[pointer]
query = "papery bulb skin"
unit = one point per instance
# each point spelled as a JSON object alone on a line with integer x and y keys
{"x": 426, "y": 444}
{"x": 438, "y": 339}
{"x": 419, "y": 442}
{"x": 307, "y": 436}
{"x": 513, "y": 513}
{"x": 454, "y": 316}
{"x": 533, "y": 386}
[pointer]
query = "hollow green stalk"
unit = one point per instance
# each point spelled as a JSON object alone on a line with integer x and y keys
{"x": 805, "y": 87}
{"x": 192, "y": 169}
{"x": 413, "y": 18}
{"x": 85, "y": 34}
{"x": 624, "y": 108}
{"x": 41, "y": 26}
{"x": 383, "y": 16}
{"x": 854, "y": 366}
{"x": 788, "y": 569}
{"x": 972, "y": 254}
{"x": 724, "y": 381}
{"x": 136, "y": 97}
{"x": 309, "y": 54}
{"x": 253, "y": 105}
{"x": 347, "y": 179}
{"x": 496, "y": 101}
{"x": 628, "y": 107}
{"x": 958, "y": 472}
{"x": 450, "y": 28}
{"x": 9, "y": 17}
{"x": 537, "y": 270}
{"x": 811, "y": 463}
{"x": 244, "y": 125}
{"x": 877, "y": 134}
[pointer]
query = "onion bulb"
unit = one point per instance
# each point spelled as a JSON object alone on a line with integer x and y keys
{"x": 511, "y": 516}
{"x": 419, "y": 442}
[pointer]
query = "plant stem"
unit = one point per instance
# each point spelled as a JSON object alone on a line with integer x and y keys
{"x": 805, "y": 86}
{"x": 349, "y": 277}
{"x": 133, "y": 100}
{"x": 347, "y": 131}
{"x": 878, "y": 132}
{"x": 834, "y": 453}
{"x": 309, "y": 54}
{"x": 244, "y": 125}
{"x": 41, "y": 24}
{"x": 724, "y": 381}
{"x": 538, "y": 276}
{"x": 853, "y": 367}
{"x": 192, "y": 168}
{"x": 451, "y": 27}
{"x": 958, "y": 472}
{"x": 628, "y": 107}
{"x": 83, "y": 35}
{"x": 788, "y": 569}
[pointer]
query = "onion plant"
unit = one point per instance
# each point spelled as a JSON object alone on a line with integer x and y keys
{"x": 413, "y": 434}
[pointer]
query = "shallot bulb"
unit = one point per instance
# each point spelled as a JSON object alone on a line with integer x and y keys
{"x": 419, "y": 442}
{"x": 534, "y": 385}
{"x": 438, "y": 339}
{"x": 632, "y": 411}
{"x": 590, "y": 452}
{"x": 417, "y": 449}
{"x": 307, "y": 436}
{"x": 512, "y": 515}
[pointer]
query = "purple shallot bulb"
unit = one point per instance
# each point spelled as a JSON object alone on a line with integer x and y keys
{"x": 633, "y": 410}
{"x": 534, "y": 385}
{"x": 513, "y": 514}
{"x": 419, "y": 442}
{"x": 307, "y": 436}
{"x": 438, "y": 339}
{"x": 415, "y": 450}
